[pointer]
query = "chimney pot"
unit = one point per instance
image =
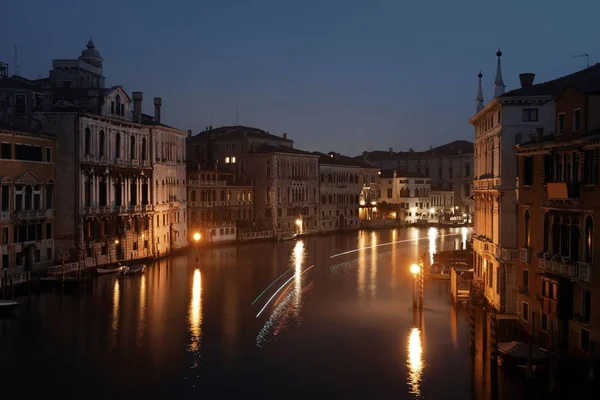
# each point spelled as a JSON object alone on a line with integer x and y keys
{"x": 285, "y": 135}
{"x": 526, "y": 79}
{"x": 189, "y": 133}
{"x": 137, "y": 106}
{"x": 157, "y": 104}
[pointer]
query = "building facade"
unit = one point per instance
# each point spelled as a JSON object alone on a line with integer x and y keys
{"x": 27, "y": 205}
{"x": 501, "y": 124}
{"x": 220, "y": 205}
{"x": 340, "y": 189}
{"x": 368, "y": 179}
{"x": 559, "y": 202}
{"x": 404, "y": 196}
{"x": 286, "y": 188}
{"x": 449, "y": 167}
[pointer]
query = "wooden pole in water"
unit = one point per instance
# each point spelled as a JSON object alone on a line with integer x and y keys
{"x": 472, "y": 319}
{"x": 552, "y": 374}
{"x": 530, "y": 349}
{"x": 592, "y": 351}
{"x": 494, "y": 337}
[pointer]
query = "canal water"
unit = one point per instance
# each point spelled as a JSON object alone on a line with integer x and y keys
{"x": 327, "y": 316}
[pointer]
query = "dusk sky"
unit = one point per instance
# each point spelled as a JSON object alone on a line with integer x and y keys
{"x": 343, "y": 75}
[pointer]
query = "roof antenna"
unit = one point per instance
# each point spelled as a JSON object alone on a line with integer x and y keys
{"x": 237, "y": 115}
{"x": 17, "y": 67}
{"x": 587, "y": 60}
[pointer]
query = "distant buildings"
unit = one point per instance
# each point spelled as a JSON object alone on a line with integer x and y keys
{"x": 557, "y": 281}
{"x": 220, "y": 205}
{"x": 27, "y": 199}
{"x": 449, "y": 167}
{"x": 404, "y": 196}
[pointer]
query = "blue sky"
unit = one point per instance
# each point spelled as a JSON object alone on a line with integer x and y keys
{"x": 342, "y": 75}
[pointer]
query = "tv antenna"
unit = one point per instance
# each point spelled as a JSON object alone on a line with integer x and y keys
{"x": 237, "y": 115}
{"x": 587, "y": 60}
{"x": 17, "y": 67}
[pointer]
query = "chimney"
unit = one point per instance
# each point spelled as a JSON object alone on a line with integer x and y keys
{"x": 395, "y": 173}
{"x": 391, "y": 151}
{"x": 157, "y": 104}
{"x": 285, "y": 135}
{"x": 137, "y": 106}
{"x": 189, "y": 133}
{"x": 47, "y": 100}
{"x": 526, "y": 79}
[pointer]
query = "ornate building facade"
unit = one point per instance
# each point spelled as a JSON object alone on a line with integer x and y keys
{"x": 27, "y": 205}
{"x": 499, "y": 125}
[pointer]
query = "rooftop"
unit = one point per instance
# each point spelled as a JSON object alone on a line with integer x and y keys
{"x": 268, "y": 148}
{"x": 450, "y": 149}
{"x": 338, "y": 159}
{"x": 239, "y": 131}
{"x": 587, "y": 79}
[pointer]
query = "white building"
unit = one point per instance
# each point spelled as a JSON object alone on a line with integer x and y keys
{"x": 405, "y": 195}
{"x": 505, "y": 121}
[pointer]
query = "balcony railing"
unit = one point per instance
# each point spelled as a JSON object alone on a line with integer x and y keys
{"x": 27, "y": 214}
{"x": 147, "y": 207}
{"x": 192, "y": 182}
{"x": 525, "y": 255}
{"x": 576, "y": 270}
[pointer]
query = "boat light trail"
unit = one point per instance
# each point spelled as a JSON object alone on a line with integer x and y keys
{"x": 272, "y": 283}
{"x": 289, "y": 286}
{"x": 275, "y": 294}
{"x": 387, "y": 244}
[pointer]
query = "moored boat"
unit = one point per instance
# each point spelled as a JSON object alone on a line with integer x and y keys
{"x": 6, "y": 306}
{"x": 110, "y": 269}
{"x": 516, "y": 354}
{"x": 289, "y": 237}
{"x": 134, "y": 269}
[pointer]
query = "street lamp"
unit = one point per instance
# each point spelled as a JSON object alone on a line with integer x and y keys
{"x": 432, "y": 210}
{"x": 196, "y": 238}
{"x": 299, "y": 225}
{"x": 415, "y": 269}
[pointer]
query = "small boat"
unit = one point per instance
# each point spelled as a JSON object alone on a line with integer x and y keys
{"x": 134, "y": 269}
{"x": 289, "y": 237}
{"x": 6, "y": 306}
{"x": 110, "y": 269}
{"x": 516, "y": 353}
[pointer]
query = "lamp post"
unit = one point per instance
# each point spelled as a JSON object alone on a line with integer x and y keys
{"x": 116, "y": 249}
{"x": 415, "y": 270}
{"x": 299, "y": 225}
{"x": 197, "y": 238}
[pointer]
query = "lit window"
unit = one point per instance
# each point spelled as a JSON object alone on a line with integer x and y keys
{"x": 226, "y": 160}
{"x": 233, "y": 159}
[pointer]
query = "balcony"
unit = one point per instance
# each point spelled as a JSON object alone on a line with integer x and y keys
{"x": 487, "y": 184}
{"x": 562, "y": 190}
{"x": 104, "y": 160}
{"x": 525, "y": 255}
{"x": 135, "y": 163}
{"x": 4, "y": 215}
{"x": 147, "y": 207}
{"x": 145, "y": 163}
{"x": 121, "y": 161}
{"x": 29, "y": 214}
{"x": 578, "y": 270}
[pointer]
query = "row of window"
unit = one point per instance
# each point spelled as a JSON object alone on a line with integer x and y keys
{"x": 563, "y": 235}
{"x": 292, "y": 169}
{"x": 560, "y": 121}
{"x": 24, "y": 152}
{"x": 563, "y": 167}
{"x": 211, "y": 195}
{"x": 341, "y": 177}
{"x": 339, "y": 198}
{"x": 26, "y": 233}
{"x": 26, "y": 197}
{"x": 133, "y": 150}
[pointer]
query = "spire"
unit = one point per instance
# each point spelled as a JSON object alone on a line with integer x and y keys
{"x": 479, "y": 99}
{"x": 498, "y": 82}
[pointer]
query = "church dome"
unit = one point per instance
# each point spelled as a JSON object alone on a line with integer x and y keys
{"x": 90, "y": 55}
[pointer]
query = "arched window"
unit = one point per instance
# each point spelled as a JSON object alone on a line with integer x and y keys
{"x": 144, "y": 149}
{"x": 28, "y": 197}
{"x": 193, "y": 195}
{"x": 202, "y": 196}
{"x": 546, "y": 231}
{"x": 132, "y": 148}
{"x": 589, "y": 238}
{"x": 118, "y": 145}
{"x": 450, "y": 172}
{"x": 574, "y": 239}
{"x": 87, "y": 141}
{"x": 222, "y": 195}
{"x": 268, "y": 168}
{"x": 102, "y": 141}
{"x": 214, "y": 195}
{"x": 526, "y": 229}
{"x": 118, "y": 101}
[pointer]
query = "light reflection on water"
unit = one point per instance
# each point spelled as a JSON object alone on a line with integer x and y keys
{"x": 115, "y": 311}
{"x": 432, "y": 234}
{"x": 414, "y": 361}
{"x": 362, "y": 265}
{"x": 298, "y": 256}
{"x": 195, "y": 312}
{"x": 373, "y": 278}
{"x": 141, "y": 326}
